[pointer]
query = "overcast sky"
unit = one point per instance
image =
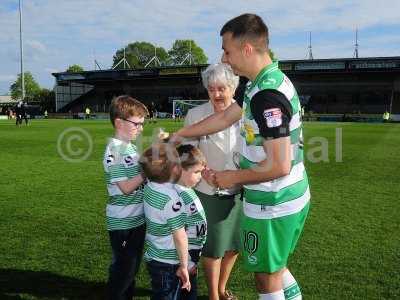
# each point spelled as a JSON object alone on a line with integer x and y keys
{"x": 59, "y": 33}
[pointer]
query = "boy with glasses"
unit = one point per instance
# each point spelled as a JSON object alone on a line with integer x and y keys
{"x": 124, "y": 211}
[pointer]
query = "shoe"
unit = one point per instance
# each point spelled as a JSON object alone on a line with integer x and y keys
{"x": 228, "y": 295}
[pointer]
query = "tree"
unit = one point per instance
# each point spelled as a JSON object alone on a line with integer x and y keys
{"x": 75, "y": 69}
{"x": 138, "y": 54}
{"x": 46, "y": 98}
{"x": 182, "y": 48}
{"x": 31, "y": 87}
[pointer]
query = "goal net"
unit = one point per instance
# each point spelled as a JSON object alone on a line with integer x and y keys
{"x": 181, "y": 107}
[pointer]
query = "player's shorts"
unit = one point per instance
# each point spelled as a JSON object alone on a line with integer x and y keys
{"x": 267, "y": 243}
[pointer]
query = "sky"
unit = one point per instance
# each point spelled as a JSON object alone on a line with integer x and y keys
{"x": 60, "y": 33}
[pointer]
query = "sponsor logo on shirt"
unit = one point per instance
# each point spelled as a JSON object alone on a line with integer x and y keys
{"x": 129, "y": 161}
{"x": 110, "y": 159}
{"x": 177, "y": 206}
{"x": 193, "y": 208}
{"x": 273, "y": 117}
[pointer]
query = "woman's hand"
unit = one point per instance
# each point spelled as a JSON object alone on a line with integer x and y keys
{"x": 209, "y": 176}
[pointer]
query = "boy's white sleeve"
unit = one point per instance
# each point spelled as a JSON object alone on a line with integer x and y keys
{"x": 121, "y": 167}
{"x": 175, "y": 213}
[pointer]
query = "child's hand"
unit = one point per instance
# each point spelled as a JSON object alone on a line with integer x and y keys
{"x": 193, "y": 270}
{"x": 183, "y": 275}
{"x": 209, "y": 176}
{"x": 163, "y": 136}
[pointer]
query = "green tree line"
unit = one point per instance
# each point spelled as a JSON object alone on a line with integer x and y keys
{"x": 145, "y": 54}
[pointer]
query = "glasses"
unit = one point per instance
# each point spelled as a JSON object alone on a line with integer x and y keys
{"x": 136, "y": 124}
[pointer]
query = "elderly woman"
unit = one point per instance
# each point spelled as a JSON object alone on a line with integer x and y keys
{"x": 222, "y": 207}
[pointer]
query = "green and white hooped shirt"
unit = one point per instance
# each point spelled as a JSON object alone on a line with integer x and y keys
{"x": 164, "y": 213}
{"x": 121, "y": 163}
{"x": 271, "y": 109}
{"x": 196, "y": 223}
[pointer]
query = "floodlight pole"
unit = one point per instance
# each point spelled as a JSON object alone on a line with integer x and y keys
{"x": 355, "y": 55}
{"x": 391, "y": 101}
{"x": 189, "y": 55}
{"x": 124, "y": 61}
{"x": 21, "y": 51}
{"x": 124, "y": 58}
{"x": 97, "y": 64}
{"x": 154, "y": 58}
{"x": 310, "y": 55}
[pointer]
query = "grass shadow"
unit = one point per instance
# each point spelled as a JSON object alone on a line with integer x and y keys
{"x": 48, "y": 285}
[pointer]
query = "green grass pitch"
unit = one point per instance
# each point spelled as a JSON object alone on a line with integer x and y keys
{"x": 54, "y": 244}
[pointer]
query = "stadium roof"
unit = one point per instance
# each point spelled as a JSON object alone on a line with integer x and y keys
{"x": 366, "y": 64}
{"x": 6, "y": 99}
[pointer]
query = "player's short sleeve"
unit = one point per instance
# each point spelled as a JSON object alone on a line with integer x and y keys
{"x": 131, "y": 164}
{"x": 239, "y": 101}
{"x": 121, "y": 166}
{"x": 174, "y": 212}
{"x": 115, "y": 166}
{"x": 272, "y": 112}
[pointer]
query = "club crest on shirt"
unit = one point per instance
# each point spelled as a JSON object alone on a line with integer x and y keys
{"x": 273, "y": 117}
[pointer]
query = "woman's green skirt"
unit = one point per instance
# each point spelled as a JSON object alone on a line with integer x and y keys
{"x": 223, "y": 221}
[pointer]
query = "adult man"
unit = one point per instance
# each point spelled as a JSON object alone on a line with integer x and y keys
{"x": 152, "y": 112}
{"x": 18, "y": 113}
{"x": 276, "y": 196}
{"x": 178, "y": 113}
{"x": 87, "y": 113}
{"x": 24, "y": 113}
{"x": 386, "y": 116}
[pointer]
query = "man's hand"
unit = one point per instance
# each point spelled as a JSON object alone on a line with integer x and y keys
{"x": 183, "y": 275}
{"x": 176, "y": 139}
{"x": 225, "y": 179}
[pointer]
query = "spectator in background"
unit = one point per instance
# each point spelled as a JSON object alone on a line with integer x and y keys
{"x": 18, "y": 114}
{"x": 152, "y": 112}
{"x": 87, "y": 113}
{"x": 178, "y": 114}
{"x": 386, "y": 117}
{"x": 10, "y": 113}
{"x": 24, "y": 113}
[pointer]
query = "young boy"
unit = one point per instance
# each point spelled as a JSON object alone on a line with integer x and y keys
{"x": 166, "y": 239}
{"x": 192, "y": 163}
{"x": 125, "y": 218}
